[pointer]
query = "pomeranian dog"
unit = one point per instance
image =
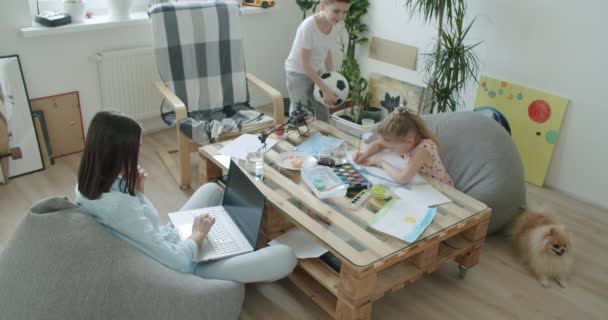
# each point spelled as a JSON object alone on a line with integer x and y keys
{"x": 545, "y": 246}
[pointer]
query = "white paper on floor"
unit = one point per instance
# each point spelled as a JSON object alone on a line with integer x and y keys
{"x": 302, "y": 242}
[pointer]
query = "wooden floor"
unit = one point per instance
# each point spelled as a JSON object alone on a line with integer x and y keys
{"x": 498, "y": 288}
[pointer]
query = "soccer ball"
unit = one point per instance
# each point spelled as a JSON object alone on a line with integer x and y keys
{"x": 335, "y": 82}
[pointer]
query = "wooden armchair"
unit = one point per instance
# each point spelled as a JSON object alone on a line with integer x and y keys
{"x": 199, "y": 54}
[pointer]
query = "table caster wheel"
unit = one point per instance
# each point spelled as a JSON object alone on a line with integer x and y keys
{"x": 462, "y": 271}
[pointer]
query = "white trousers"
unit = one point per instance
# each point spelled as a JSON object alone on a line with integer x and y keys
{"x": 267, "y": 264}
{"x": 300, "y": 89}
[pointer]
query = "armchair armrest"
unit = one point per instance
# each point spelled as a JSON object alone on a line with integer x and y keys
{"x": 277, "y": 98}
{"x": 181, "y": 112}
{"x": 183, "y": 143}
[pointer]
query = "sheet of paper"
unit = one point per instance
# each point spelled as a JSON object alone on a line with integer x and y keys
{"x": 303, "y": 243}
{"x": 244, "y": 144}
{"x": 223, "y": 159}
{"x": 403, "y": 219}
{"x": 376, "y": 175}
{"x": 424, "y": 195}
{"x": 317, "y": 143}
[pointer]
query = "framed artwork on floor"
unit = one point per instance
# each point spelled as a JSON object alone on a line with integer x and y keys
{"x": 387, "y": 92}
{"x": 532, "y": 117}
{"x": 16, "y": 118}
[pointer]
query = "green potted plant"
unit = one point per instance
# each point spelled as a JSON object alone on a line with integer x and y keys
{"x": 453, "y": 62}
{"x": 356, "y": 29}
{"x": 358, "y": 104}
{"x": 368, "y": 111}
{"x": 307, "y": 5}
{"x": 358, "y": 108}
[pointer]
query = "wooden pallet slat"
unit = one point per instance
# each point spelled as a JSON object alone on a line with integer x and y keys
{"x": 308, "y": 223}
{"x": 396, "y": 275}
{"x": 315, "y": 291}
{"x": 325, "y": 211}
{"x": 384, "y": 264}
{"x": 322, "y": 273}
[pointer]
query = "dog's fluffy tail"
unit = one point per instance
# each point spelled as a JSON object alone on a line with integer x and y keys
{"x": 528, "y": 220}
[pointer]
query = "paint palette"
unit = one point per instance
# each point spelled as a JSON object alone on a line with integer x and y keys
{"x": 351, "y": 177}
{"x": 358, "y": 200}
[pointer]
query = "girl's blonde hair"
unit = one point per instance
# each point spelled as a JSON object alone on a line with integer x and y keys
{"x": 401, "y": 122}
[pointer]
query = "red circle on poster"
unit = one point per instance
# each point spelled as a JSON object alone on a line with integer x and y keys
{"x": 539, "y": 111}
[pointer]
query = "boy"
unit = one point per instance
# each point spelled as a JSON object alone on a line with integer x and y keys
{"x": 310, "y": 52}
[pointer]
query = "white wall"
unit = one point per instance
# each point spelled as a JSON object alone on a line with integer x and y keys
{"x": 558, "y": 46}
{"x": 553, "y": 45}
{"x": 62, "y": 63}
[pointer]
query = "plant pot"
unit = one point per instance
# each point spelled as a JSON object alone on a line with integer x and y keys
{"x": 349, "y": 126}
{"x": 75, "y": 10}
{"x": 347, "y": 118}
{"x": 120, "y": 9}
{"x": 374, "y": 113}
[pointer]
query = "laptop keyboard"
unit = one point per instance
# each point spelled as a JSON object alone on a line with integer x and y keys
{"x": 218, "y": 236}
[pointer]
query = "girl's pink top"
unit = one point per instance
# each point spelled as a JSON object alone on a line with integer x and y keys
{"x": 436, "y": 170}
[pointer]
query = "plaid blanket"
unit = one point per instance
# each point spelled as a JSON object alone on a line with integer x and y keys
{"x": 199, "y": 55}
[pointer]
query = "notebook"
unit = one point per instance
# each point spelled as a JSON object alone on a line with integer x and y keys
{"x": 404, "y": 220}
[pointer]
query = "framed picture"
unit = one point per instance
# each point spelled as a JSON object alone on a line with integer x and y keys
{"x": 532, "y": 117}
{"x": 16, "y": 117}
{"x": 387, "y": 92}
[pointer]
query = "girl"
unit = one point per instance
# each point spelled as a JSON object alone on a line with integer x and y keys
{"x": 111, "y": 188}
{"x": 406, "y": 134}
{"x": 310, "y": 53}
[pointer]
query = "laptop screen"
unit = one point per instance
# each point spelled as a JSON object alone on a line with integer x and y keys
{"x": 244, "y": 203}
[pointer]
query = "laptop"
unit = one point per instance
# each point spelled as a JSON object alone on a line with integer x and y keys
{"x": 237, "y": 220}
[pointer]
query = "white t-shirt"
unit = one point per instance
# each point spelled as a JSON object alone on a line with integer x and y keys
{"x": 310, "y": 37}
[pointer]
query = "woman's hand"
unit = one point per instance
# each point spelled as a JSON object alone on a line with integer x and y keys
{"x": 200, "y": 228}
{"x": 141, "y": 177}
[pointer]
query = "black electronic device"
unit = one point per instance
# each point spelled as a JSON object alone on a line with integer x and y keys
{"x": 53, "y": 19}
{"x": 294, "y": 122}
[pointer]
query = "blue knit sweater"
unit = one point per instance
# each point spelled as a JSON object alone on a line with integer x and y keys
{"x": 134, "y": 219}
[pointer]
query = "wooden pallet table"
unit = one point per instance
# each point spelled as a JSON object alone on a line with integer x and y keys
{"x": 373, "y": 263}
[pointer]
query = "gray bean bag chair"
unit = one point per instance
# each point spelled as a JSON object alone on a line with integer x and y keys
{"x": 483, "y": 162}
{"x": 61, "y": 264}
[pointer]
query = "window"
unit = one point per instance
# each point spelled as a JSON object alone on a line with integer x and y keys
{"x": 97, "y": 7}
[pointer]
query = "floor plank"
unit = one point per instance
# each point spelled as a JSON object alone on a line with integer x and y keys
{"x": 498, "y": 288}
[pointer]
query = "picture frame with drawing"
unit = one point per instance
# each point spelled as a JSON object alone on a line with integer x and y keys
{"x": 390, "y": 92}
{"x": 19, "y": 146}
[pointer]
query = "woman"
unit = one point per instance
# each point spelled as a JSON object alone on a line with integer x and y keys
{"x": 111, "y": 188}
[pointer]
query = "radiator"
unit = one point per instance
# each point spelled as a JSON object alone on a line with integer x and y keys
{"x": 127, "y": 82}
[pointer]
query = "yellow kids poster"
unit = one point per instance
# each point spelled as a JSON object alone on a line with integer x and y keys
{"x": 533, "y": 119}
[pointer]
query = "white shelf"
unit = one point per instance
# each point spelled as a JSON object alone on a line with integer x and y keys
{"x": 105, "y": 22}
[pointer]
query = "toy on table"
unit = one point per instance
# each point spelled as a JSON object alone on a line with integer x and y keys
{"x": 259, "y": 3}
{"x": 351, "y": 177}
{"x": 296, "y": 121}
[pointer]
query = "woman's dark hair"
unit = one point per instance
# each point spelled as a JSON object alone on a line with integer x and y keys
{"x": 112, "y": 148}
